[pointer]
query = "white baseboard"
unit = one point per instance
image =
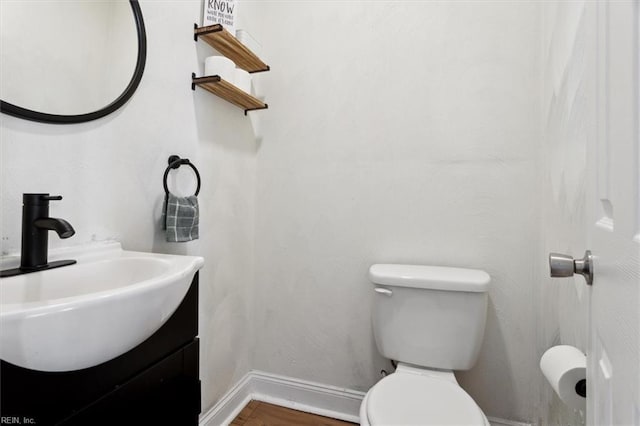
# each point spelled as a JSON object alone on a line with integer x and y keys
{"x": 230, "y": 405}
{"x": 302, "y": 395}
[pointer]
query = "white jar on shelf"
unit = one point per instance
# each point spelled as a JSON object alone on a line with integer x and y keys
{"x": 221, "y": 66}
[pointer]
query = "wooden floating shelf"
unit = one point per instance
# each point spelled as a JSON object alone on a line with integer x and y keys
{"x": 228, "y": 92}
{"x": 225, "y": 43}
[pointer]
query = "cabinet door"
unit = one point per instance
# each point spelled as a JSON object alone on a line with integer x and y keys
{"x": 166, "y": 394}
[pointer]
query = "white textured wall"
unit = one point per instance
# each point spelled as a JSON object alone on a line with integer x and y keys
{"x": 110, "y": 174}
{"x": 396, "y": 132}
{"x": 568, "y": 100}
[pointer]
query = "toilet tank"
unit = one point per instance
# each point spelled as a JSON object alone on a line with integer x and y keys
{"x": 430, "y": 316}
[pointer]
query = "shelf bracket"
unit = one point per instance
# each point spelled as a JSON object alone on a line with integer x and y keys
{"x": 215, "y": 28}
{"x": 255, "y": 109}
{"x": 193, "y": 85}
{"x": 268, "y": 68}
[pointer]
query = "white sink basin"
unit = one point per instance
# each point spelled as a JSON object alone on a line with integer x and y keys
{"x": 82, "y": 315}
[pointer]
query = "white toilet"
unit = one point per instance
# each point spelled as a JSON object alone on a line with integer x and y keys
{"x": 431, "y": 321}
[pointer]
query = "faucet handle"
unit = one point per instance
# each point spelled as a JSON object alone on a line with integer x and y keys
{"x": 38, "y": 199}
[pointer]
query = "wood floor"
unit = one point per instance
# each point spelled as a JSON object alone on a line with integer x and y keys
{"x": 258, "y": 413}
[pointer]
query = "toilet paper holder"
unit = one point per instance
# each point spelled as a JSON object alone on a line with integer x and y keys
{"x": 564, "y": 367}
{"x": 581, "y": 388}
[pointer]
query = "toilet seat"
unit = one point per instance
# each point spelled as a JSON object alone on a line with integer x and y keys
{"x": 411, "y": 399}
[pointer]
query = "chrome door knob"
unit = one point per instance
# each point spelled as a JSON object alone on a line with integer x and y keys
{"x": 562, "y": 265}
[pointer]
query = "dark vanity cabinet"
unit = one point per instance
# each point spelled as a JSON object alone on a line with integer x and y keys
{"x": 155, "y": 383}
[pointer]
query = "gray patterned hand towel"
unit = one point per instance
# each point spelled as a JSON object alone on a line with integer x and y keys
{"x": 181, "y": 216}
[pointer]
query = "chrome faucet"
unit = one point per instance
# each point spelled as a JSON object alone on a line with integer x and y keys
{"x": 36, "y": 225}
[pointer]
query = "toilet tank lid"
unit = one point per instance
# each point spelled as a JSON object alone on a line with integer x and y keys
{"x": 430, "y": 277}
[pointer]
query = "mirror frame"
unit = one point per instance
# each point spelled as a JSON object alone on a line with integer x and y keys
{"x": 42, "y": 117}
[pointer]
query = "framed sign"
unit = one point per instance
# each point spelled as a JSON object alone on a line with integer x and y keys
{"x": 220, "y": 12}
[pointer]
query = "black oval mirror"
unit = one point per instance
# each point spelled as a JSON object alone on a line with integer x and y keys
{"x": 102, "y": 73}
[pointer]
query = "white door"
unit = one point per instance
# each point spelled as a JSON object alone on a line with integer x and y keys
{"x": 613, "y": 376}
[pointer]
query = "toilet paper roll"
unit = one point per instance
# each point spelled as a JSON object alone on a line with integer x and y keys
{"x": 243, "y": 80}
{"x": 220, "y": 65}
{"x": 564, "y": 367}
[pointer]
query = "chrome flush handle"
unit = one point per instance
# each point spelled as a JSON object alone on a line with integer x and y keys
{"x": 562, "y": 265}
{"x": 383, "y": 291}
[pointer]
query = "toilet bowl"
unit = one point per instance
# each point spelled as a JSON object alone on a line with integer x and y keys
{"x": 414, "y": 396}
{"x": 431, "y": 321}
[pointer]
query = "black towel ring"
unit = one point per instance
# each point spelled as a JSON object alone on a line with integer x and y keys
{"x": 175, "y": 162}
